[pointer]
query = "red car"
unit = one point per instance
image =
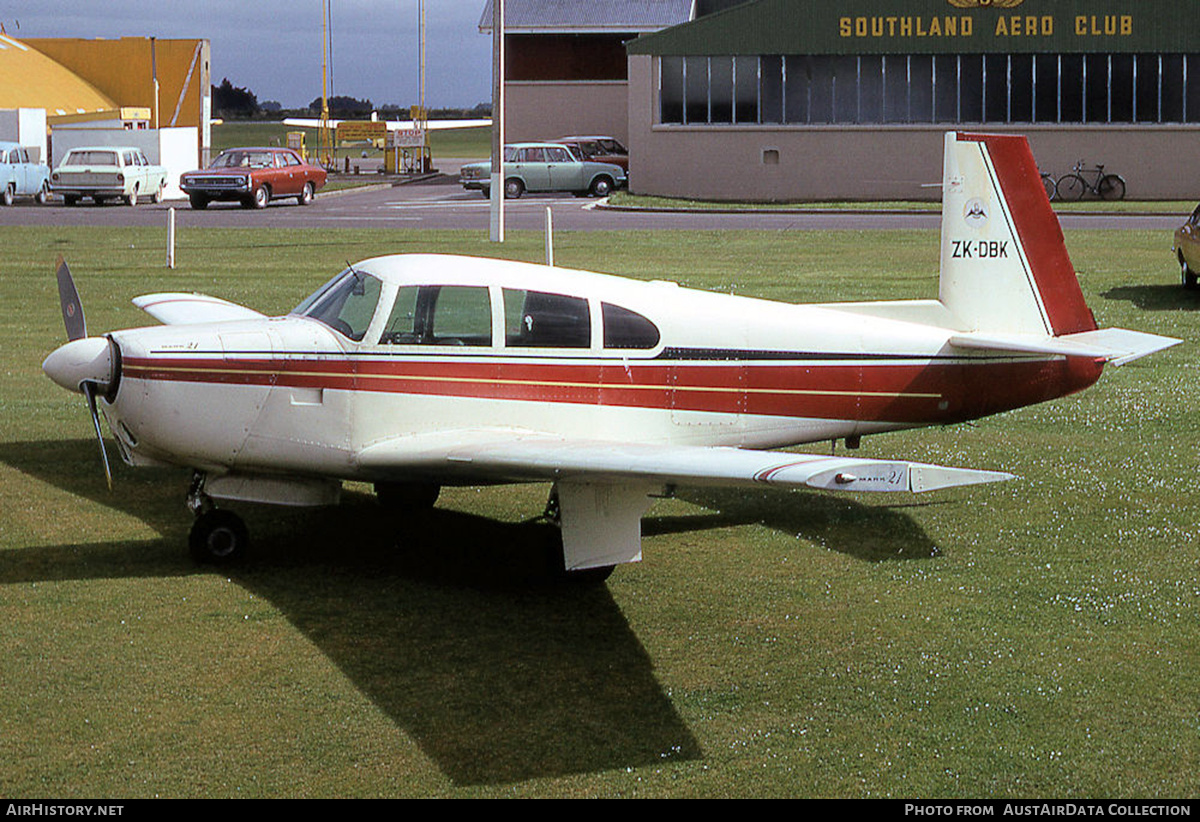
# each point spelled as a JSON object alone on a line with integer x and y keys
{"x": 253, "y": 177}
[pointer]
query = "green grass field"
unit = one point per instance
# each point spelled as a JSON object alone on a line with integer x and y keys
{"x": 1036, "y": 638}
{"x": 471, "y": 143}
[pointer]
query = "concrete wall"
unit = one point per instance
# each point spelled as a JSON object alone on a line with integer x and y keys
{"x": 174, "y": 148}
{"x": 26, "y": 126}
{"x": 545, "y": 110}
{"x": 814, "y": 163}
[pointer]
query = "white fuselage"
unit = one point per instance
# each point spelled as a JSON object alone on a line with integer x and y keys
{"x": 293, "y": 395}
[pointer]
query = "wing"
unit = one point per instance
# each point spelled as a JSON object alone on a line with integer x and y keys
{"x": 605, "y": 487}
{"x": 515, "y": 457}
{"x": 179, "y": 309}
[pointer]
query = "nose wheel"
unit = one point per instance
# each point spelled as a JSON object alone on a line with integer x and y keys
{"x": 217, "y": 536}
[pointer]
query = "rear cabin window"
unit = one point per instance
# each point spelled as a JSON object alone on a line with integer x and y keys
{"x": 627, "y": 329}
{"x": 541, "y": 320}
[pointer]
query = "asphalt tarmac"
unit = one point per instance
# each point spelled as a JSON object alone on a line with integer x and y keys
{"x": 442, "y": 203}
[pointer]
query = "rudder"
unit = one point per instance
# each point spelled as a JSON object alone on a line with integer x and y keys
{"x": 1004, "y": 265}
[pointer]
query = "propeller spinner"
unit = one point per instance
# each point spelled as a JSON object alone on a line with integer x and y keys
{"x": 83, "y": 364}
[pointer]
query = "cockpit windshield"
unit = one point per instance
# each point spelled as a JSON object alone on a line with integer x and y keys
{"x": 346, "y": 303}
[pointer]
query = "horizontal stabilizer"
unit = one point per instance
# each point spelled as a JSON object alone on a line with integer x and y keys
{"x": 1116, "y": 346}
{"x": 184, "y": 309}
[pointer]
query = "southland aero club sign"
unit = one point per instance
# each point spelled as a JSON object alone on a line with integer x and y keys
{"x": 1015, "y": 25}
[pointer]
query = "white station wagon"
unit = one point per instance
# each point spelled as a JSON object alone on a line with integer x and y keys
{"x": 108, "y": 172}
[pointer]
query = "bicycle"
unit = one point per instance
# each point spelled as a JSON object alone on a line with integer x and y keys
{"x": 1050, "y": 185}
{"x": 1075, "y": 185}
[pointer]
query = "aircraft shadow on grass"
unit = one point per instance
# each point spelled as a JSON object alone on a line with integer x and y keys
{"x": 446, "y": 621}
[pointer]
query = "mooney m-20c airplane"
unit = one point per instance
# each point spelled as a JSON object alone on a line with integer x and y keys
{"x": 417, "y": 371}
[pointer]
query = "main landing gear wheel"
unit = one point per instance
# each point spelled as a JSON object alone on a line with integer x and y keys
{"x": 556, "y": 560}
{"x": 407, "y": 496}
{"x": 218, "y": 537}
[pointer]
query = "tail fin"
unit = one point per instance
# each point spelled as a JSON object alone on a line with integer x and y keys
{"x": 1004, "y": 265}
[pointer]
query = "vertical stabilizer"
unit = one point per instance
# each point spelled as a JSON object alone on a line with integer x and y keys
{"x": 1004, "y": 266}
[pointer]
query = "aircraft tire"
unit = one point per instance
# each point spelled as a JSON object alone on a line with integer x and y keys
{"x": 218, "y": 537}
{"x": 557, "y": 566}
{"x": 407, "y": 496}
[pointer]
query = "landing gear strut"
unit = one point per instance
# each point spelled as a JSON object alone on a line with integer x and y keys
{"x": 217, "y": 536}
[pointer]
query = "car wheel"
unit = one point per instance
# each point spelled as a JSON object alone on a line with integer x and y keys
{"x": 261, "y": 197}
{"x": 9, "y": 195}
{"x": 43, "y": 195}
{"x": 198, "y": 201}
{"x": 158, "y": 195}
{"x": 1186, "y": 276}
{"x": 132, "y": 198}
{"x": 513, "y": 188}
{"x": 307, "y": 194}
{"x": 602, "y": 187}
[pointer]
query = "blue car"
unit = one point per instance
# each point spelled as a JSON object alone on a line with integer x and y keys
{"x": 544, "y": 167}
{"x": 21, "y": 178}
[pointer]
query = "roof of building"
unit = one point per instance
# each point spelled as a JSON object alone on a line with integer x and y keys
{"x": 30, "y": 79}
{"x": 588, "y": 16}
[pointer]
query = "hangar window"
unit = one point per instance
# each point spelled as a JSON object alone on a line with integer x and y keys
{"x": 539, "y": 319}
{"x": 921, "y": 88}
{"x": 627, "y": 329}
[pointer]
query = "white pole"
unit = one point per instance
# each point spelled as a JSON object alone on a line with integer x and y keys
{"x": 549, "y": 238}
{"x": 497, "y": 192}
{"x": 171, "y": 237}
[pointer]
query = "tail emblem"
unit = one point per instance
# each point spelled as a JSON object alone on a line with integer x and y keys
{"x": 975, "y": 213}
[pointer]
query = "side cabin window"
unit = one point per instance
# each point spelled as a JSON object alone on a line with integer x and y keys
{"x": 627, "y": 329}
{"x": 539, "y": 319}
{"x": 346, "y": 305}
{"x": 440, "y": 315}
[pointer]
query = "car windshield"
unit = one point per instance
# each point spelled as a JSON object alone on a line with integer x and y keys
{"x": 244, "y": 159}
{"x": 346, "y": 303}
{"x": 91, "y": 158}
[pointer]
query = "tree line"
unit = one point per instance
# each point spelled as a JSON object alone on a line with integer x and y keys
{"x": 232, "y": 102}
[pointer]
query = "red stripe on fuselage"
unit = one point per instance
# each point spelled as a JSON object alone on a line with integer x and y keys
{"x": 901, "y": 392}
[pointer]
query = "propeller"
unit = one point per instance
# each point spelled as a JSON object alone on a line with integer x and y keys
{"x": 84, "y": 364}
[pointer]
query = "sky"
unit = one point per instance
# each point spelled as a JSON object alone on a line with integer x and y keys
{"x": 273, "y": 47}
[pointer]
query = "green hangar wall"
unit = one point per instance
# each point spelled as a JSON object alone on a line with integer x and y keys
{"x": 810, "y": 100}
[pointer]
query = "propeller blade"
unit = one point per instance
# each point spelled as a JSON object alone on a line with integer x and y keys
{"x": 89, "y": 390}
{"x": 68, "y": 298}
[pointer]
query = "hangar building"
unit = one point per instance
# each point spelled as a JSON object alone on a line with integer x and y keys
{"x": 565, "y": 68}
{"x": 125, "y": 83}
{"x": 811, "y": 100}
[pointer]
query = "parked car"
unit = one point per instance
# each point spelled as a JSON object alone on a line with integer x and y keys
{"x": 1187, "y": 249}
{"x": 598, "y": 148}
{"x": 107, "y": 172}
{"x": 253, "y": 177}
{"x": 19, "y": 177}
{"x": 544, "y": 167}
